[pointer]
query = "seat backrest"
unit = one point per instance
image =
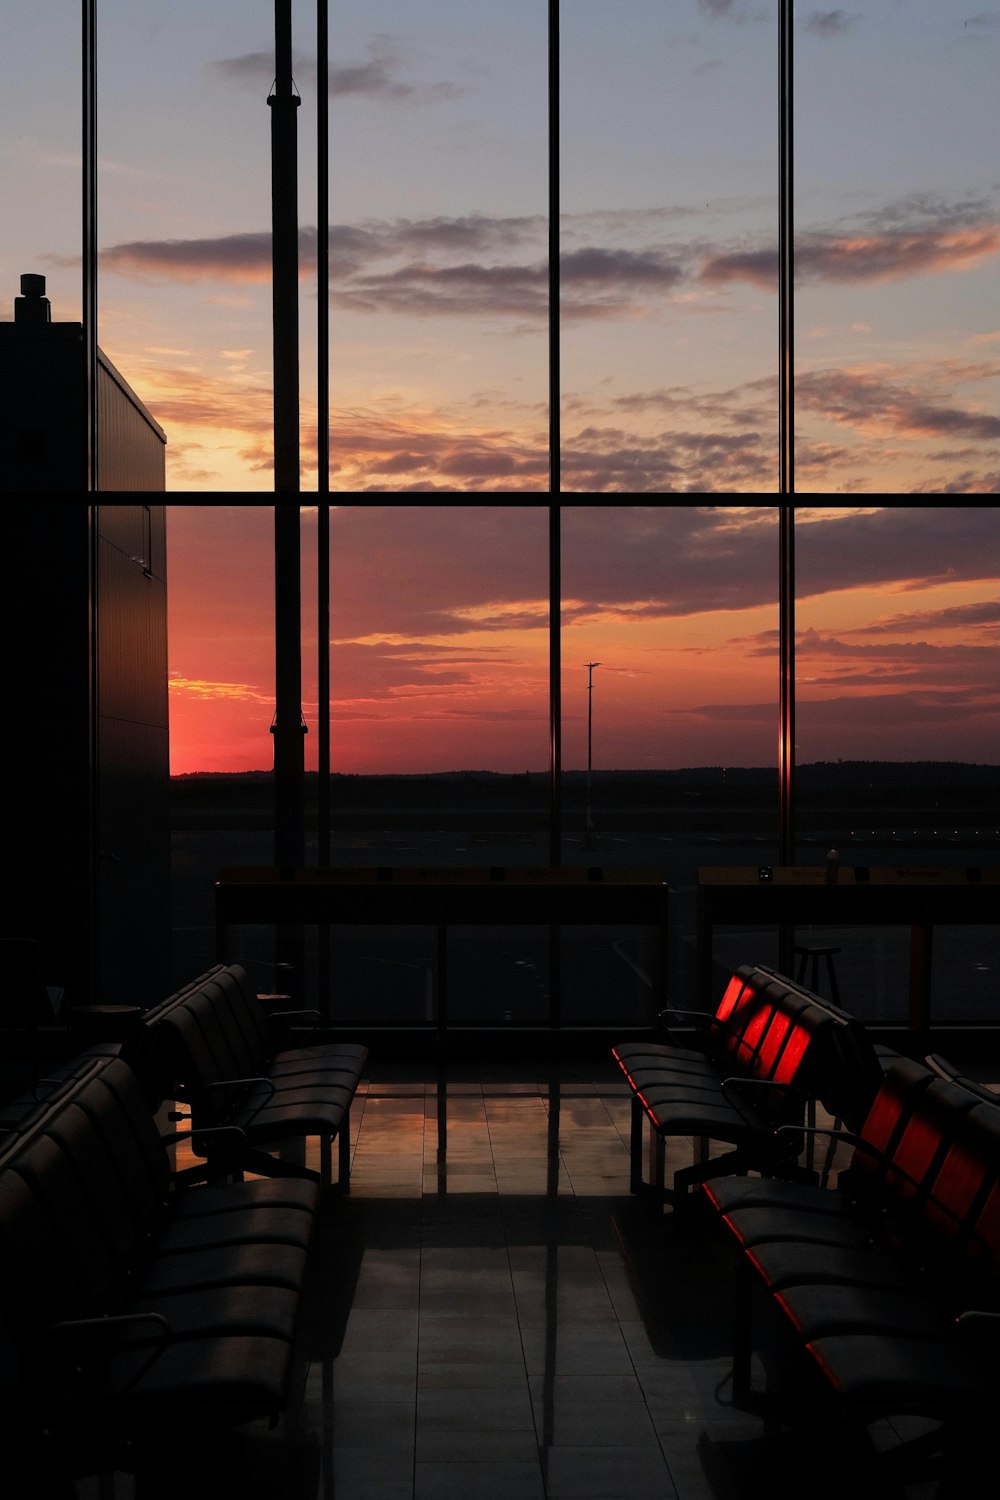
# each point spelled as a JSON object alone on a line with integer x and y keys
{"x": 910, "y": 1130}
{"x": 246, "y": 1019}
{"x": 79, "y": 1198}
{"x": 771, "y": 1032}
{"x": 947, "y": 1069}
{"x": 212, "y": 1030}
{"x": 954, "y": 1232}
{"x": 853, "y": 1069}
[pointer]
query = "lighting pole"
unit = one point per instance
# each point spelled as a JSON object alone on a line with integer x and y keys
{"x": 590, "y": 745}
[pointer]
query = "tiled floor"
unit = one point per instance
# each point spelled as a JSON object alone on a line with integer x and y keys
{"x": 492, "y": 1316}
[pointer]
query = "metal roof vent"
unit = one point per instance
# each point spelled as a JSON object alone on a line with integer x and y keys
{"x": 32, "y": 306}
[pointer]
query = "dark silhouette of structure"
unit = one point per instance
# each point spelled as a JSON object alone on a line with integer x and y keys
{"x": 86, "y": 770}
{"x": 43, "y": 408}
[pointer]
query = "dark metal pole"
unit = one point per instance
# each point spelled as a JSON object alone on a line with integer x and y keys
{"x": 786, "y": 706}
{"x": 323, "y": 962}
{"x": 786, "y": 714}
{"x": 786, "y": 253}
{"x": 555, "y": 752}
{"x": 555, "y": 690}
{"x": 590, "y": 743}
{"x": 89, "y": 223}
{"x": 288, "y": 728}
{"x": 323, "y": 683}
{"x": 555, "y": 379}
{"x": 283, "y": 102}
{"x": 323, "y": 247}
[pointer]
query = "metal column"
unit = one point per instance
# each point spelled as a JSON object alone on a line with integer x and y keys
{"x": 786, "y": 255}
{"x": 322, "y": 249}
{"x": 555, "y": 378}
{"x": 283, "y": 102}
{"x": 89, "y": 227}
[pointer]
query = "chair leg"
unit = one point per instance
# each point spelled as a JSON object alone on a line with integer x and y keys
{"x": 742, "y": 1332}
{"x": 635, "y": 1181}
{"x": 344, "y": 1155}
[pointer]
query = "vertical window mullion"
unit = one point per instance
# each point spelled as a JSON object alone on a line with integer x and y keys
{"x": 786, "y": 267}
{"x": 555, "y": 436}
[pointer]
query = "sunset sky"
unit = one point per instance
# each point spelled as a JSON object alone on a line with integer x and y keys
{"x": 439, "y": 632}
{"x": 438, "y": 204}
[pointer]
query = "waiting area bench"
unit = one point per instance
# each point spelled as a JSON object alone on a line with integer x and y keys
{"x": 889, "y": 1283}
{"x": 769, "y": 1051}
{"x": 269, "y": 1074}
{"x": 135, "y": 1316}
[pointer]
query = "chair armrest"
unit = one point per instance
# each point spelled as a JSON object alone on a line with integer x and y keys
{"x": 65, "y": 1331}
{"x": 676, "y": 1010}
{"x": 736, "y": 1083}
{"x": 282, "y": 1024}
{"x": 236, "y": 1083}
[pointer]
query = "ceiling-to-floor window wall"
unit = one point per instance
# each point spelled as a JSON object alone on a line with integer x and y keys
{"x": 442, "y": 185}
{"x": 668, "y": 689}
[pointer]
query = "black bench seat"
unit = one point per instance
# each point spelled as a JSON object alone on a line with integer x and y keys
{"x": 890, "y": 1282}
{"x": 767, "y": 1052}
{"x": 125, "y": 1301}
{"x": 271, "y": 1075}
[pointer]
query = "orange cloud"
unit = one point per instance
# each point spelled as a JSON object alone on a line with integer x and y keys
{"x": 861, "y": 257}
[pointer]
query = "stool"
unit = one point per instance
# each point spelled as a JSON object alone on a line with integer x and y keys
{"x": 811, "y": 954}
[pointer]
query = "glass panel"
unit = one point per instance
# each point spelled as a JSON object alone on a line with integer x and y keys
{"x": 897, "y": 727}
{"x": 669, "y": 694}
{"x": 439, "y": 681}
{"x": 40, "y": 173}
{"x": 439, "y": 196}
{"x": 669, "y": 204}
{"x": 185, "y": 225}
{"x": 220, "y": 601}
{"x": 897, "y": 136}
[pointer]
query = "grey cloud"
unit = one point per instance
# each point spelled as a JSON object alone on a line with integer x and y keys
{"x": 954, "y": 617}
{"x": 865, "y": 401}
{"x": 649, "y": 561}
{"x": 381, "y": 76}
{"x": 464, "y": 290}
{"x": 882, "y": 710}
{"x": 595, "y": 266}
{"x": 828, "y": 23}
{"x": 252, "y": 67}
{"x": 985, "y": 20}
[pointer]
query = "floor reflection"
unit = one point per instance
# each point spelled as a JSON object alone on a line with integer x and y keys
{"x": 490, "y": 1313}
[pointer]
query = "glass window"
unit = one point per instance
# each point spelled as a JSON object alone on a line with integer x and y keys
{"x": 896, "y": 141}
{"x": 669, "y": 199}
{"x": 439, "y": 286}
{"x": 669, "y": 696}
{"x": 897, "y": 724}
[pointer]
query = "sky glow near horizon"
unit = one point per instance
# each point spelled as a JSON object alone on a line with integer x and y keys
{"x": 439, "y": 635}
{"x": 439, "y": 233}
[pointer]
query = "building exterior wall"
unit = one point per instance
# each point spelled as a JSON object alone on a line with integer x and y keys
{"x": 131, "y": 447}
{"x": 43, "y": 417}
{"x": 133, "y": 752}
{"x": 86, "y": 759}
